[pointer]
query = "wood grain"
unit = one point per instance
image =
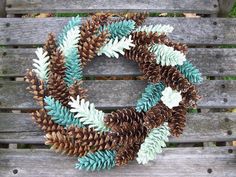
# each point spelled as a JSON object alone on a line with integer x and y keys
{"x": 210, "y": 61}
{"x": 181, "y": 162}
{"x": 201, "y": 127}
{"x": 113, "y": 94}
{"x": 199, "y": 31}
{"x": 34, "y": 6}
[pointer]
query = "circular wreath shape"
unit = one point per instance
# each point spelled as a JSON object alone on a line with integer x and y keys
{"x": 73, "y": 125}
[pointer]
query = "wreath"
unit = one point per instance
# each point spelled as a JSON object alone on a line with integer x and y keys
{"x": 74, "y": 126}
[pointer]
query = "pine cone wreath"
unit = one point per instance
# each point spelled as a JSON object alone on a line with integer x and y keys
{"x": 74, "y": 126}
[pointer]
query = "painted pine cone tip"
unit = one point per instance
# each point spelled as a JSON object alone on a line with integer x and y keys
{"x": 73, "y": 125}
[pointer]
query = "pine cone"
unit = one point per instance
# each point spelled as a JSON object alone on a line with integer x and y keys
{"x": 50, "y": 45}
{"x": 130, "y": 137}
{"x": 90, "y": 139}
{"x": 190, "y": 97}
{"x": 76, "y": 89}
{"x": 143, "y": 38}
{"x": 62, "y": 143}
{"x": 90, "y": 42}
{"x": 151, "y": 71}
{"x": 173, "y": 78}
{"x": 44, "y": 121}
{"x": 178, "y": 119}
{"x": 57, "y": 64}
{"x": 140, "y": 54}
{"x": 176, "y": 45}
{"x": 157, "y": 115}
{"x": 126, "y": 154}
{"x": 139, "y": 18}
{"x": 57, "y": 88}
{"x": 87, "y": 29}
{"x": 36, "y": 87}
{"x": 102, "y": 18}
{"x": 124, "y": 120}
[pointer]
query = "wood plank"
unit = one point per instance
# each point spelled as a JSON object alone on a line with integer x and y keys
{"x": 35, "y": 6}
{"x": 33, "y": 31}
{"x": 201, "y": 127}
{"x": 181, "y": 162}
{"x": 110, "y": 94}
{"x": 3, "y": 8}
{"x": 210, "y": 61}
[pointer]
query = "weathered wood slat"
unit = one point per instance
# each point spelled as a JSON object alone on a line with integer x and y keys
{"x": 19, "y": 128}
{"x": 30, "y": 31}
{"x": 181, "y": 162}
{"x": 110, "y": 94}
{"x": 211, "y": 62}
{"x": 29, "y": 6}
{"x": 2, "y": 8}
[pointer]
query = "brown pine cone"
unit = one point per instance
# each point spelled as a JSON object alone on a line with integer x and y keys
{"x": 76, "y": 89}
{"x": 140, "y": 54}
{"x": 169, "y": 75}
{"x": 178, "y": 119}
{"x": 173, "y": 78}
{"x": 57, "y": 88}
{"x": 87, "y": 29}
{"x": 176, "y": 45}
{"x": 143, "y": 38}
{"x": 191, "y": 96}
{"x": 102, "y": 18}
{"x": 50, "y": 45}
{"x": 92, "y": 140}
{"x": 151, "y": 71}
{"x": 124, "y": 120}
{"x": 36, "y": 87}
{"x": 57, "y": 63}
{"x": 127, "y": 138}
{"x": 126, "y": 154}
{"x": 44, "y": 121}
{"x": 90, "y": 42}
{"x": 139, "y": 18}
{"x": 157, "y": 115}
{"x": 62, "y": 143}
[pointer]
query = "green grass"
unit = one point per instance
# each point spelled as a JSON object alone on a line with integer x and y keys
{"x": 228, "y": 46}
{"x": 153, "y": 14}
{"x": 232, "y": 13}
{"x": 229, "y": 78}
{"x": 71, "y": 14}
{"x": 192, "y": 110}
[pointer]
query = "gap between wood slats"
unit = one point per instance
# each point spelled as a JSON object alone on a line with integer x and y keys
{"x": 210, "y": 61}
{"x": 35, "y": 6}
{"x": 181, "y": 162}
{"x": 194, "y": 31}
{"x": 113, "y": 94}
{"x": 201, "y": 127}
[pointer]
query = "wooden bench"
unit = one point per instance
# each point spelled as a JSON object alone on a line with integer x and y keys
{"x": 20, "y": 36}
